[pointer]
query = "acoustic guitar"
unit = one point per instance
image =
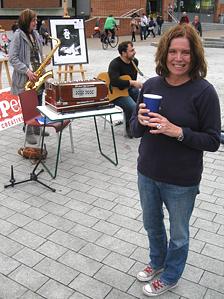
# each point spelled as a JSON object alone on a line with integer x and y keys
{"x": 114, "y": 92}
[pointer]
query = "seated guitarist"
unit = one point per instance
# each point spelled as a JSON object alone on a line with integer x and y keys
{"x": 122, "y": 65}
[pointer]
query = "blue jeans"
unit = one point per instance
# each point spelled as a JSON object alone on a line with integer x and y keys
{"x": 128, "y": 104}
{"x": 143, "y": 32}
{"x": 179, "y": 202}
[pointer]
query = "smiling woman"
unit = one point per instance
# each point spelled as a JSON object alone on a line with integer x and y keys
{"x": 185, "y": 41}
{"x": 178, "y": 61}
{"x": 170, "y": 161}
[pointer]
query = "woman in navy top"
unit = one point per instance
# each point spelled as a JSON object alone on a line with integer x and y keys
{"x": 170, "y": 161}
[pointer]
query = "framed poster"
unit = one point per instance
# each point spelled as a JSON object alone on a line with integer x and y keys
{"x": 73, "y": 48}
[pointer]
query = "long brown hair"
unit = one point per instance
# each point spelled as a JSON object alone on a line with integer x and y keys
{"x": 25, "y": 19}
{"x": 198, "y": 65}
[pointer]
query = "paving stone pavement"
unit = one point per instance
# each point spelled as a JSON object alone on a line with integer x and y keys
{"x": 87, "y": 240}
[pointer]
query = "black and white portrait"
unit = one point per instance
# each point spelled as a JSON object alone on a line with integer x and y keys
{"x": 69, "y": 37}
{"x": 71, "y": 34}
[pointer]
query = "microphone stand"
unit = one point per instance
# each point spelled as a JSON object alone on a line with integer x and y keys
{"x": 33, "y": 174}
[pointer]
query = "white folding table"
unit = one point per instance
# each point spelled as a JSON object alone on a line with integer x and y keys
{"x": 48, "y": 113}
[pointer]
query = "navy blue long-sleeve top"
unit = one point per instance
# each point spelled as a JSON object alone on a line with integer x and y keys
{"x": 194, "y": 106}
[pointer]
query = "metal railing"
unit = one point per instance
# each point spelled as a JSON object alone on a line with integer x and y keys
{"x": 172, "y": 17}
{"x": 127, "y": 14}
{"x": 131, "y": 12}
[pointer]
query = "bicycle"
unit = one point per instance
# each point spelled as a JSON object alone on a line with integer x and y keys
{"x": 107, "y": 40}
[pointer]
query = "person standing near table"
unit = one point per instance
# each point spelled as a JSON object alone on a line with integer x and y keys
{"x": 170, "y": 161}
{"x": 25, "y": 56}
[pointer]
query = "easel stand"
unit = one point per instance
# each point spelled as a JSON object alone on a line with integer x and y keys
{"x": 68, "y": 71}
{"x": 4, "y": 61}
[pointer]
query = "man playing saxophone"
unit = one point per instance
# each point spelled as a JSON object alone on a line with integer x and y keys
{"x": 26, "y": 55}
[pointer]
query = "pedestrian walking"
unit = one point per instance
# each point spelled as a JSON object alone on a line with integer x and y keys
{"x": 159, "y": 22}
{"x": 143, "y": 26}
{"x": 134, "y": 28}
{"x": 151, "y": 27}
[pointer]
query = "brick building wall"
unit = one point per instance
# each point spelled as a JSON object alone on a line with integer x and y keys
{"x": 116, "y": 8}
{"x": 220, "y": 9}
{"x": 32, "y": 4}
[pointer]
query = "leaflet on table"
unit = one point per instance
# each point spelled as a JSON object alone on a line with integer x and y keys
{"x": 40, "y": 120}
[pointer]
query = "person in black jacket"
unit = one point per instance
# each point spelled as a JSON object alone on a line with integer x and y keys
{"x": 159, "y": 22}
{"x": 151, "y": 27}
{"x": 170, "y": 161}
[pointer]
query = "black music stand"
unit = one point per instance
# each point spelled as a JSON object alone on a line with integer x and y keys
{"x": 33, "y": 174}
{"x": 33, "y": 177}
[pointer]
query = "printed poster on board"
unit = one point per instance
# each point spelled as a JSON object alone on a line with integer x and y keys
{"x": 10, "y": 109}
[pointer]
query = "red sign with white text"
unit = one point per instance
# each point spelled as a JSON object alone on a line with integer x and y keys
{"x": 10, "y": 110}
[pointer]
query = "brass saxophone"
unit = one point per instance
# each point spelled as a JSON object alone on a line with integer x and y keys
{"x": 41, "y": 75}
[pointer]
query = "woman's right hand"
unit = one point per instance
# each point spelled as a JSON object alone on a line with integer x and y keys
{"x": 142, "y": 118}
{"x": 32, "y": 77}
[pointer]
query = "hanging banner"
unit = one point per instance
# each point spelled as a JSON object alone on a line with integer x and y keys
{"x": 10, "y": 110}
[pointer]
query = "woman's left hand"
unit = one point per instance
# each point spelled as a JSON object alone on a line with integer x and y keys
{"x": 163, "y": 126}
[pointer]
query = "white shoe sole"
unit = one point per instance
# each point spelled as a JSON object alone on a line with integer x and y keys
{"x": 154, "y": 294}
{"x": 144, "y": 279}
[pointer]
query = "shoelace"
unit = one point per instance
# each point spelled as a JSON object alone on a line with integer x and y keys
{"x": 148, "y": 269}
{"x": 157, "y": 284}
